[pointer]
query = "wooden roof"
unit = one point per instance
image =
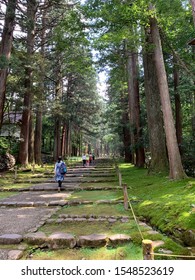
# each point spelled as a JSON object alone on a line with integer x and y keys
{"x": 192, "y": 42}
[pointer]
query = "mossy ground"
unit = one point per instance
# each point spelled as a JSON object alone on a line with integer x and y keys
{"x": 115, "y": 210}
{"x": 96, "y": 195}
{"x": 128, "y": 252}
{"x": 166, "y": 204}
{"x": 6, "y": 194}
{"x": 25, "y": 179}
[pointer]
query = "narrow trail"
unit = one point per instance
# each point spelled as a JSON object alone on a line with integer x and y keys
{"x": 86, "y": 213}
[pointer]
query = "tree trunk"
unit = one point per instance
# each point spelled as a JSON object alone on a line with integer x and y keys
{"x": 24, "y": 144}
{"x": 193, "y": 10}
{"x": 64, "y": 141}
{"x": 57, "y": 114}
{"x": 157, "y": 143}
{"x": 39, "y": 112}
{"x": 38, "y": 136}
{"x": 126, "y": 137}
{"x": 5, "y": 51}
{"x": 193, "y": 116}
{"x": 24, "y": 134}
{"x": 175, "y": 165}
{"x": 69, "y": 139}
{"x": 131, "y": 105}
{"x": 134, "y": 106}
{"x": 57, "y": 138}
{"x": 140, "y": 154}
{"x": 178, "y": 111}
{"x": 31, "y": 158}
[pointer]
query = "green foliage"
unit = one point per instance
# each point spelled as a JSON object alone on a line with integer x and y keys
{"x": 109, "y": 27}
{"x": 166, "y": 204}
{"x": 3, "y": 62}
{"x": 128, "y": 252}
{"x": 4, "y": 145}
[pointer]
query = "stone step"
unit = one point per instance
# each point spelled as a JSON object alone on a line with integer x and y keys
{"x": 53, "y": 187}
{"x": 60, "y": 240}
{"x": 76, "y": 180}
{"x": 54, "y": 203}
{"x": 64, "y": 218}
{"x": 13, "y": 254}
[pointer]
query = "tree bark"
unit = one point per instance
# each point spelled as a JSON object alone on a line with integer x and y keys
{"x": 193, "y": 10}
{"x": 5, "y": 51}
{"x": 140, "y": 153}
{"x": 175, "y": 164}
{"x": 178, "y": 110}
{"x": 157, "y": 143}
{"x": 126, "y": 138}
{"x": 57, "y": 138}
{"x": 64, "y": 140}
{"x": 39, "y": 112}
{"x": 131, "y": 105}
{"x": 138, "y": 156}
{"x": 38, "y": 136}
{"x": 23, "y": 156}
{"x": 31, "y": 158}
{"x": 57, "y": 114}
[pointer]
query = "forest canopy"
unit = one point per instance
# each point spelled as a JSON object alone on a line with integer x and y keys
{"x": 51, "y": 56}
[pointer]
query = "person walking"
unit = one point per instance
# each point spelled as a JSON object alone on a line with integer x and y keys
{"x": 90, "y": 159}
{"x": 84, "y": 159}
{"x": 60, "y": 171}
{"x": 93, "y": 157}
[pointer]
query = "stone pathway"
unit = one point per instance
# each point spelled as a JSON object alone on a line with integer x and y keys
{"x": 23, "y": 214}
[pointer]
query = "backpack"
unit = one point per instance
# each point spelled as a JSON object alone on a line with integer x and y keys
{"x": 63, "y": 168}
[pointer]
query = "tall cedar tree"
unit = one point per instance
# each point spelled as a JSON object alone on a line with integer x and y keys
{"x": 159, "y": 161}
{"x": 28, "y": 83}
{"x": 176, "y": 170}
{"x": 5, "y": 51}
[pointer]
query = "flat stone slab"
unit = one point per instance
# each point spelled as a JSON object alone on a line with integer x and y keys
{"x": 61, "y": 240}
{"x": 93, "y": 240}
{"x": 15, "y": 254}
{"x": 7, "y": 254}
{"x": 153, "y": 232}
{"x": 145, "y": 226}
{"x": 158, "y": 243}
{"x": 64, "y": 218}
{"x": 119, "y": 239}
{"x": 37, "y": 238}
{"x": 35, "y": 197}
{"x": 10, "y": 239}
{"x": 189, "y": 237}
{"x": 109, "y": 201}
{"x": 4, "y": 254}
{"x": 53, "y": 186}
{"x": 22, "y": 220}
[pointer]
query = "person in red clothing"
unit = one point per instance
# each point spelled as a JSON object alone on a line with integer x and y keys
{"x": 90, "y": 159}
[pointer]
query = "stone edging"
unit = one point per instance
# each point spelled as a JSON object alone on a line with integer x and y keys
{"x": 64, "y": 218}
{"x": 60, "y": 240}
{"x": 56, "y": 203}
{"x": 64, "y": 188}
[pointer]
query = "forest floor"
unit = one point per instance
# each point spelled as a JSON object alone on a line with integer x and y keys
{"x": 87, "y": 219}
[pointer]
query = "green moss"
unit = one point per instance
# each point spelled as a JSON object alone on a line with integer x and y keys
{"x": 6, "y": 194}
{"x": 96, "y": 195}
{"x": 87, "y": 228}
{"x": 165, "y": 203}
{"x": 100, "y": 209}
{"x": 126, "y": 252}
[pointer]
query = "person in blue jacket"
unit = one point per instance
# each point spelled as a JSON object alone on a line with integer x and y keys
{"x": 59, "y": 173}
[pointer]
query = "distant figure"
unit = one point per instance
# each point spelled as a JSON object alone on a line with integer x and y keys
{"x": 90, "y": 159}
{"x": 60, "y": 171}
{"x": 84, "y": 159}
{"x": 93, "y": 157}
